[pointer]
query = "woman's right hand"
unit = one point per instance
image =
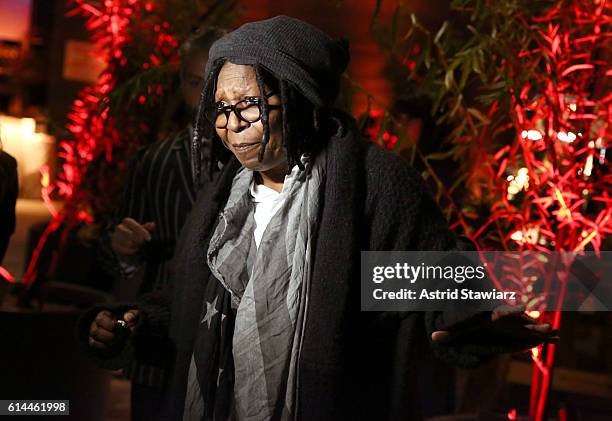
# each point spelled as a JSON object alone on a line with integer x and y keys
{"x": 105, "y": 332}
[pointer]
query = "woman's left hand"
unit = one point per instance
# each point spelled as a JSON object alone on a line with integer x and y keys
{"x": 508, "y": 327}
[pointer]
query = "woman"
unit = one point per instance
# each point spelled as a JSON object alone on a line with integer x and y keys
{"x": 264, "y": 319}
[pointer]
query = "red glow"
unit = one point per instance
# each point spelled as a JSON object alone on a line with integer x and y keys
{"x": 6, "y": 275}
{"x": 85, "y": 217}
{"x": 541, "y": 177}
{"x": 512, "y": 415}
{"x": 47, "y": 189}
{"x": 534, "y": 314}
{"x": 93, "y": 135}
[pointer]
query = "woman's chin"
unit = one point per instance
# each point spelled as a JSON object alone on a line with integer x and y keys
{"x": 251, "y": 161}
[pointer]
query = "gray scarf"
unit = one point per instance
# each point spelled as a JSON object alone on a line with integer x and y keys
{"x": 271, "y": 295}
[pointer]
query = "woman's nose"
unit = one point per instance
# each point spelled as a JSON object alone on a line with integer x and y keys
{"x": 235, "y": 124}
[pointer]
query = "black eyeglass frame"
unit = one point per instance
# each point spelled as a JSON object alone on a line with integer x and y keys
{"x": 227, "y": 109}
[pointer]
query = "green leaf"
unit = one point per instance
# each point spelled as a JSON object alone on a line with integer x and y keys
{"x": 466, "y": 69}
{"x": 427, "y": 54}
{"x": 408, "y": 34}
{"x": 449, "y": 79}
{"x": 456, "y": 106}
{"x": 497, "y": 86}
{"x": 457, "y": 131}
{"x": 413, "y": 154}
{"x": 438, "y": 101}
{"x": 481, "y": 58}
{"x": 460, "y": 180}
{"x": 476, "y": 62}
{"x": 439, "y": 191}
{"x": 439, "y": 156}
{"x": 480, "y": 116}
{"x": 440, "y": 32}
{"x": 455, "y": 63}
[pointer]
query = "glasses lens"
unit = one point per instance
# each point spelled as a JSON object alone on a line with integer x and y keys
{"x": 215, "y": 116}
{"x": 248, "y": 111}
{"x": 220, "y": 120}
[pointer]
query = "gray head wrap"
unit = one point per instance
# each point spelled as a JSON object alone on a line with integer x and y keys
{"x": 290, "y": 49}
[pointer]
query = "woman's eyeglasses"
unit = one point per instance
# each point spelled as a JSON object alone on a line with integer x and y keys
{"x": 247, "y": 110}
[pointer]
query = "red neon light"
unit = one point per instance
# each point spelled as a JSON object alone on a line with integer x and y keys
{"x": 6, "y": 275}
{"x": 92, "y": 133}
{"x": 512, "y": 415}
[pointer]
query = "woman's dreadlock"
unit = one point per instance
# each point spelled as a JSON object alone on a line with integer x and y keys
{"x": 203, "y": 128}
{"x": 301, "y": 121}
{"x": 264, "y": 112}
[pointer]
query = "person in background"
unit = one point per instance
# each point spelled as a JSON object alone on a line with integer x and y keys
{"x": 9, "y": 187}
{"x": 158, "y": 196}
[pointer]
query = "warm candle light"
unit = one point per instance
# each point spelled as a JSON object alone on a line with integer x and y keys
{"x": 32, "y": 150}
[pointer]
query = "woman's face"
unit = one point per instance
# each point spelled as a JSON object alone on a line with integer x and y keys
{"x": 234, "y": 83}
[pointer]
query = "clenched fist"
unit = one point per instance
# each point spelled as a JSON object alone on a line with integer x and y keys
{"x": 105, "y": 331}
{"x": 129, "y": 236}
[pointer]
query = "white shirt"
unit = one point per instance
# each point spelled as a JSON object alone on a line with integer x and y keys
{"x": 267, "y": 202}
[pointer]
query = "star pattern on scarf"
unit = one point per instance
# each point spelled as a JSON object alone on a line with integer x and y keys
{"x": 211, "y": 310}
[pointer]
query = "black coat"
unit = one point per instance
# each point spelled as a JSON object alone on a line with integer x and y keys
{"x": 353, "y": 364}
{"x": 9, "y": 187}
{"x": 158, "y": 188}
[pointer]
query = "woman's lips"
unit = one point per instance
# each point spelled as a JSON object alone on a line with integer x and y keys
{"x": 245, "y": 147}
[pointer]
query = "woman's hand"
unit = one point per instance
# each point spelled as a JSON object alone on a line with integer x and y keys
{"x": 508, "y": 327}
{"x": 106, "y": 331}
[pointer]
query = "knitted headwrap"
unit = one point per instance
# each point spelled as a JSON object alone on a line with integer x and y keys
{"x": 290, "y": 49}
{"x": 294, "y": 52}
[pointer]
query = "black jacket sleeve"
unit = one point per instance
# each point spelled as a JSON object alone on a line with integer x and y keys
{"x": 406, "y": 217}
{"x": 132, "y": 204}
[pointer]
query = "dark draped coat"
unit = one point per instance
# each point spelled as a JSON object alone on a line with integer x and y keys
{"x": 159, "y": 188}
{"x": 353, "y": 364}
